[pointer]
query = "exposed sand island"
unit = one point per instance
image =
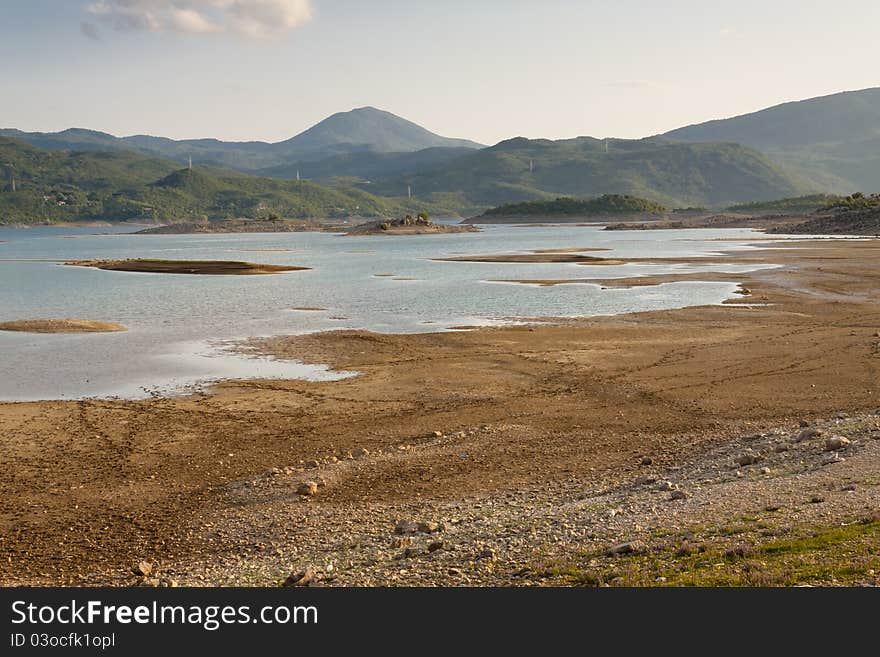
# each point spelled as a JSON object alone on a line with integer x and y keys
{"x": 206, "y": 267}
{"x": 61, "y": 326}
{"x": 420, "y": 225}
{"x": 536, "y": 258}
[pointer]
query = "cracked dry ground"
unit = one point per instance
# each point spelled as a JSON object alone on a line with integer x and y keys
{"x": 544, "y": 432}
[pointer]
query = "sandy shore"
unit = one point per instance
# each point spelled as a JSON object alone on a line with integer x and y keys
{"x": 61, "y": 326}
{"x": 516, "y": 455}
{"x": 203, "y": 267}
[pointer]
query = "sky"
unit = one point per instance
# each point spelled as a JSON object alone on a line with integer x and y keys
{"x": 485, "y": 70}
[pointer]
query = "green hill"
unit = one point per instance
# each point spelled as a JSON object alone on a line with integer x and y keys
{"x": 832, "y": 140}
{"x": 661, "y": 170}
{"x": 796, "y": 205}
{"x": 117, "y": 186}
{"x": 603, "y": 206}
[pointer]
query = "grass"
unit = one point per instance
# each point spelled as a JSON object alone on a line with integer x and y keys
{"x": 835, "y": 556}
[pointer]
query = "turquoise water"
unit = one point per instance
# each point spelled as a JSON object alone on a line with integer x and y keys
{"x": 180, "y": 326}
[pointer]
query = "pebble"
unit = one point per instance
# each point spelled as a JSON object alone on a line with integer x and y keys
{"x": 307, "y": 488}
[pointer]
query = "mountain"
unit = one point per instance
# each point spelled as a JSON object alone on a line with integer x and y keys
{"x": 834, "y": 141}
{"x": 672, "y": 173}
{"x": 364, "y": 130}
{"x": 115, "y": 186}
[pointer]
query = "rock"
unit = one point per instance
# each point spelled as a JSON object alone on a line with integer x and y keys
{"x": 831, "y": 458}
{"x": 817, "y": 499}
{"x": 645, "y": 479}
{"x": 429, "y": 527}
{"x": 666, "y": 485}
{"x": 401, "y": 541}
{"x": 438, "y": 434}
{"x": 804, "y": 423}
{"x": 780, "y": 447}
{"x": 833, "y": 443}
{"x": 151, "y": 581}
{"x": 678, "y": 495}
{"x": 435, "y": 545}
{"x": 624, "y": 548}
{"x": 487, "y": 554}
{"x": 808, "y": 434}
{"x": 301, "y": 578}
{"x": 747, "y": 458}
{"x": 144, "y": 569}
{"x": 406, "y": 527}
{"x": 765, "y": 471}
{"x": 313, "y": 464}
{"x": 360, "y": 452}
{"x": 647, "y": 460}
{"x": 411, "y": 552}
{"x": 307, "y": 488}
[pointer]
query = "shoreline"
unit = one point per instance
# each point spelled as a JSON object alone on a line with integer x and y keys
{"x": 534, "y": 414}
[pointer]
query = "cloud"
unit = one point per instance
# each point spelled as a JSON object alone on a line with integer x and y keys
{"x": 90, "y": 31}
{"x": 251, "y": 18}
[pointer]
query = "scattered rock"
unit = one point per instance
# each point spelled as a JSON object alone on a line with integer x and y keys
{"x": 301, "y": 578}
{"x": 833, "y": 443}
{"x": 678, "y": 495}
{"x": 632, "y": 547}
{"x": 307, "y": 488}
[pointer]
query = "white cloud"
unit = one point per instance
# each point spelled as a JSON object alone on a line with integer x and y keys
{"x": 251, "y": 18}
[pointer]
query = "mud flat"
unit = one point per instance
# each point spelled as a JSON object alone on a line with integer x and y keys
{"x": 61, "y": 326}
{"x": 650, "y": 448}
{"x": 204, "y": 267}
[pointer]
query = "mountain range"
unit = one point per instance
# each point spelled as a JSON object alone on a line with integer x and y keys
{"x": 827, "y": 144}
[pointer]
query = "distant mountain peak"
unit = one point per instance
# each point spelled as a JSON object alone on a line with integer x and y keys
{"x": 367, "y": 128}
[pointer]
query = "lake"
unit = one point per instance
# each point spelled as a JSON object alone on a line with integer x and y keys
{"x": 181, "y": 326}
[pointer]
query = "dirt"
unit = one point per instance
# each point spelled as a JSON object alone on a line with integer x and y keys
{"x": 61, "y": 326}
{"x": 201, "y": 267}
{"x": 523, "y": 443}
